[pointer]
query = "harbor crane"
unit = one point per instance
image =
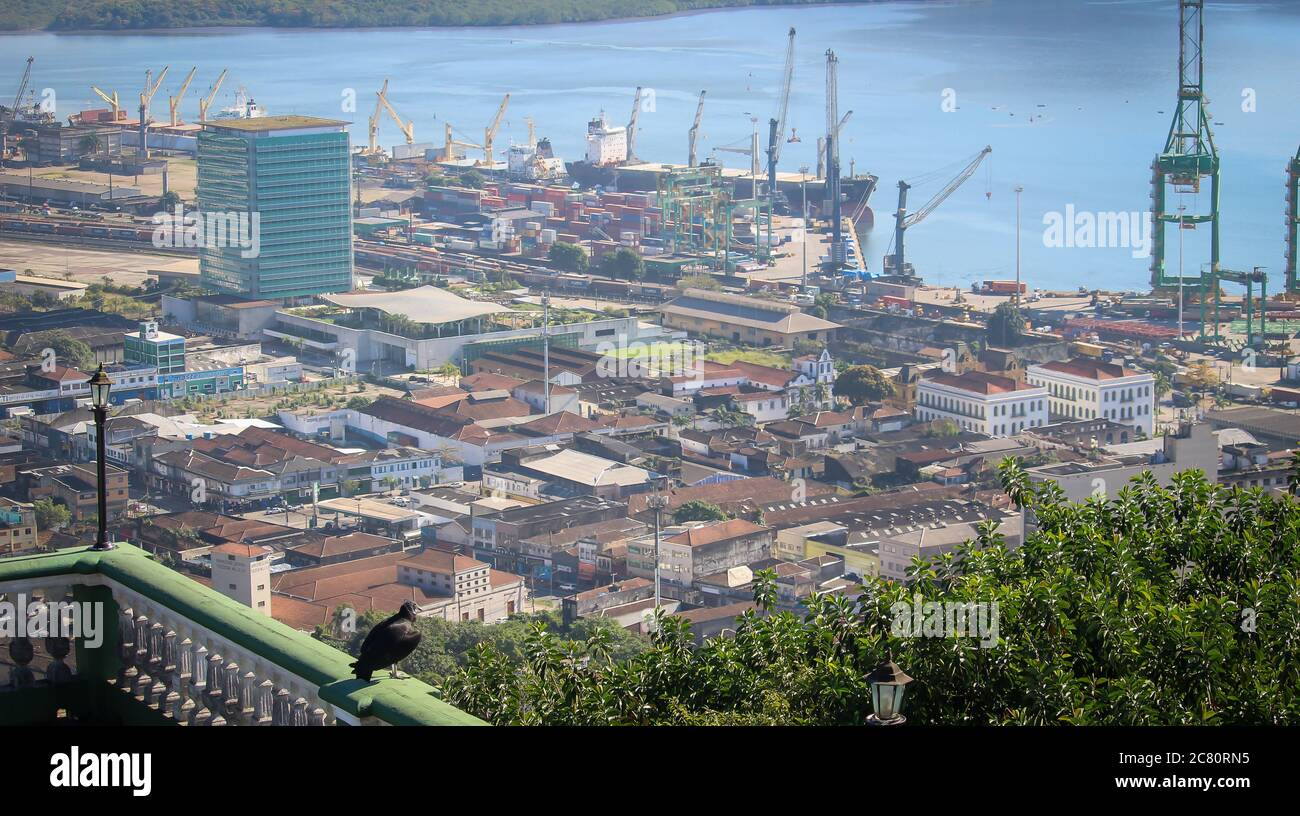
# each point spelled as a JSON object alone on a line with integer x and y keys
{"x": 112, "y": 101}
{"x": 206, "y": 102}
{"x": 22, "y": 89}
{"x": 490, "y": 133}
{"x": 372, "y": 141}
{"x": 407, "y": 128}
{"x": 753, "y": 152}
{"x": 449, "y": 149}
{"x": 1292, "y": 222}
{"x": 631, "y": 126}
{"x": 776, "y": 126}
{"x": 691, "y": 159}
{"x": 894, "y": 264}
{"x": 174, "y": 102}
{"x": 146, "y": 98}
{"x": 834, "y": 125}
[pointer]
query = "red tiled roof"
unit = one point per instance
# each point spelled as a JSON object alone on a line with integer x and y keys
{"x": 977, "y": 382}
{"x": 1088, "y": 368}
{"x": 717, "y": 531}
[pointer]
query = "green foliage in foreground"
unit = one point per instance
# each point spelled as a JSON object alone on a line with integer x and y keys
{"x": 445, "y": 646}
{"x": 136, "y": 14}
{"x": 1162, "y": 606}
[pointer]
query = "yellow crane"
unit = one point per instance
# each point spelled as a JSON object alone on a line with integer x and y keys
{"x": 451, "y": 143}
{"x": 372, "y": 146}
{"x": 408, "y": 128}
{"x": 490, "y": 133}
{"x": 146, "y": 97}
{"x": 206, "y": 102}
{"x": 111, "y": 100}
{"x": 174, "y": 102}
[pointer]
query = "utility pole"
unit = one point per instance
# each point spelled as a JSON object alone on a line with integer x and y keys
{"x": 1181, "y": 209}
{"x": 803, "y": 181}
{"x": 657, "y": 502}
{"x": 546, "y": 349}
{"x": 1017, "y": 295}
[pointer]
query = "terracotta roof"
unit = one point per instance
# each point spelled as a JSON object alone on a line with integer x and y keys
{"x": 977, "y": 382}
{"x": 243, "y": 550}
{"x": 717, "y": 531}
{"x": 560, "y": 422}
{"x": 1088, "y": 368}
{"x": 440, "y": 561}
{"x": 341, "y": 545}
{"x": 711, "y": 613}
{"x": 489, "y": 381}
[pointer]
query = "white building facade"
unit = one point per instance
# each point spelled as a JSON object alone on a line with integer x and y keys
{"x": 981, "y": 403}
{"x": 1092, "y": 389}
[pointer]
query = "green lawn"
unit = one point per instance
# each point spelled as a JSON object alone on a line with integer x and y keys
{"x": 756, "y": 356}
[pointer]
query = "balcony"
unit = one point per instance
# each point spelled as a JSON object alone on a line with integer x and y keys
{"x": 175, "y": 652}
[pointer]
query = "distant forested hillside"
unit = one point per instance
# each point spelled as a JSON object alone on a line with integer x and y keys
{"x": 65, "y": 15}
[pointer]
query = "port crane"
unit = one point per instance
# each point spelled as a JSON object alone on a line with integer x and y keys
{"x": 112, "y": 100}
{"x": 206, "y": 102}
{"x": 407, "y": 128}
{"x": 372, "y": 134}
{"x": 22, "y": 89}
{"x": 631, "y": 126}
{"x": 752, "y": 151}
{"x": 1190, "y": 158}
{"x": 776, "y": 125}
{"x": 691, "y": 159}
{"x": 894, "y": 263}
{"x": 146, "y": 97}
{"x": 1292, "y": 222}
{"x": 834, "y": 126}
{"x": 490, "y": 133}
{"x": 174, "y": 102}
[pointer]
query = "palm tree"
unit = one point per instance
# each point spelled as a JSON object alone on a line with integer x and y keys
{"x": 730, "y": 417}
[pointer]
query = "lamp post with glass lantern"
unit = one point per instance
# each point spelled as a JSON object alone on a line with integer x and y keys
{"x": 100, "y": 386}
{"x": 888, "y": 686}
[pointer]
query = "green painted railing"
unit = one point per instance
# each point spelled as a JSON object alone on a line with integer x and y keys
{"x": 404, "y": 701}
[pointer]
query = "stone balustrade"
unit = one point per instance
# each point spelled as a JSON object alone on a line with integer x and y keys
{"x": 192, "y": 656}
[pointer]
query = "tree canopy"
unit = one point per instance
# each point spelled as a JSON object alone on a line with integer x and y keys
{"x": 1161, "y": 605}
{"x": 699, "y": 511}
{"x": 1006, "y": 325}
{"x": 568, "y": 257}
{"x": 863, "y": 383}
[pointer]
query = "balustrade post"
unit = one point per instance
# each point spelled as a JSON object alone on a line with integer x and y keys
{"x": 231, "y": 686}
{"x": 58, "y": 648}
{"x": 215, "y": 697}
{"x": 184, "y": 667}
{"x": 283, "y": 713}
{"x": 299, "y": 711}
{"x": 246, "y": 691}
{"x": 22, "y": 652}
{"x": 265, "y": 702}
{"x": 156, "y": 632}
{"x": 126, "y": 644}
{"x": 317, "y": 716}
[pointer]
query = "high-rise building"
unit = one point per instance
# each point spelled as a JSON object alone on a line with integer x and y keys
{"x": 281, "y": 184}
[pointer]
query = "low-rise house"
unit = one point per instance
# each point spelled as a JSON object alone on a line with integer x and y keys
{"x": 687, "y": 554}
{"x": 18, "y": 533}
{"x": 76, "y": 487}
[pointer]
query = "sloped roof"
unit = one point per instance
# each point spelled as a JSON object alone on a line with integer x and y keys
{"x": 423, "y": 304}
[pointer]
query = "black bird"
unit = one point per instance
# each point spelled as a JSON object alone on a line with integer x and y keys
{"x": 388, "y": 643}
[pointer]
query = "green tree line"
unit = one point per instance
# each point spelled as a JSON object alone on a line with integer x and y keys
{"x": 141, "y": 14}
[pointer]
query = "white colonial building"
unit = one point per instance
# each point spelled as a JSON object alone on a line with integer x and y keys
{"x": 980, "y": 402}
{"x": 1084, "y": 388}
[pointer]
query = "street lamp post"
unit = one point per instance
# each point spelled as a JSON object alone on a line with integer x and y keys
{"x": 888, "y": 685}
{"x": 657, "y": 502}
{"x": 803, "y": 200}
{"x": 100, "y": 385}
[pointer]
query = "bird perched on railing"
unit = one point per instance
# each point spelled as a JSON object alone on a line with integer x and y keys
{"x": 390, "y": 642}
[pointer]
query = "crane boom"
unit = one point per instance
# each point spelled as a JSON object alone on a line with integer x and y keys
{"x": 903, "y": 219}
{"x": 694, "y": 132}
{"x": 372, "y": 145}
{"x": 490, "y": 132}
{"x": 776, "y": 126}
{"x": 111, "y": 100}
{"x": 407, "y": 128}
{"x": 146, "y": 97}
{"x": 206, "y": 102}
{"x": 22, "y": 88}
{"x": 174, "y": 102}
{"x": 631, "y": 126}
